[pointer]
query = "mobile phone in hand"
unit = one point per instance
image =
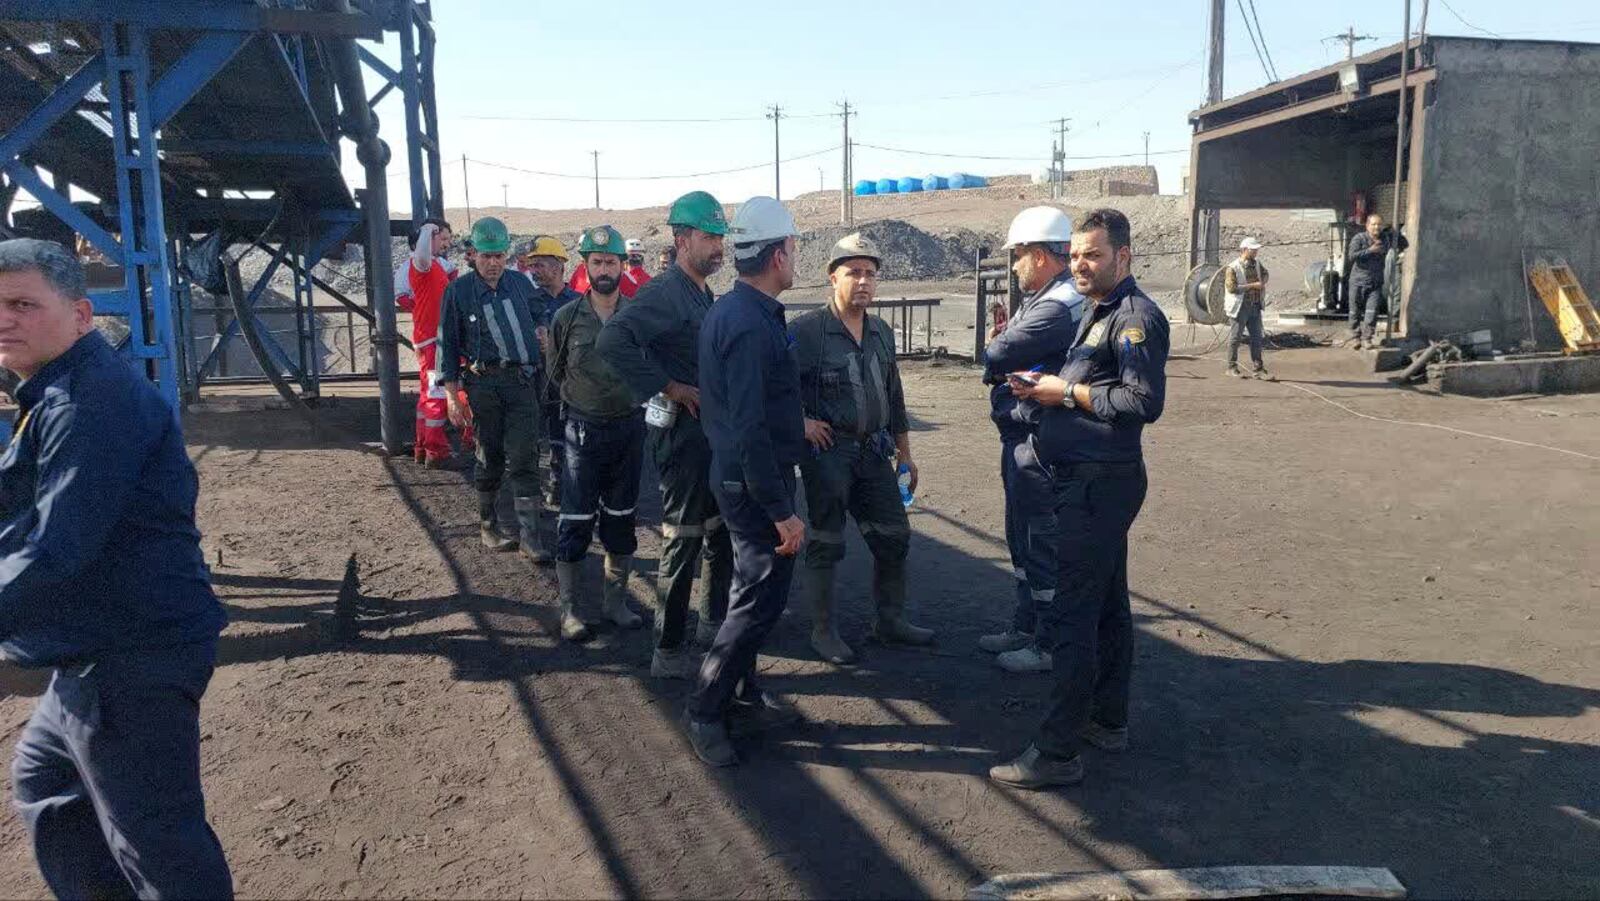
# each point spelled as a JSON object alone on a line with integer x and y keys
{"x": 1026, "y": 378}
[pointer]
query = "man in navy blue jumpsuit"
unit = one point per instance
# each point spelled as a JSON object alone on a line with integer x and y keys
{"x": 1036, "y": 338}
{"x": 102, "y": 580}
{"x": 1114, "y": 383}
{"x": 750, "y": 407}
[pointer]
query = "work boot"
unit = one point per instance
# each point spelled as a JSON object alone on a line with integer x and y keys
{"x": 489, "y": 524}
{"x": 760, "y": 711}
{"x": 528, "y": 537}
{"x": 705, "y": 631}
{"x": 892, "y": 626}
{"x": 825, "y": 638}
{"x": 1025, "y": 660}
{"x": 1009, "y": 640}
{"x": 674, "y": 663}
{"x": 710, "y": 742}
{"x": 569, "y": 577}
{"x": 1034, "y": 770}
{"x": 614, "y": 596}
{"x": 1106, "y": 738}
{"x": 1234, "y": 371}
{"x": 1261, "y": 373}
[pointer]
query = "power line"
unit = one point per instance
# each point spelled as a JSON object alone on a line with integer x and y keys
{"x": 659, "y": 177}
{"x": 1265, "y": 69}
{"x": 1263, "y": 35}
{"x": 1453, "y": 12}
{"x": 578, "y": 120}
{"x": 1018, "y": 159}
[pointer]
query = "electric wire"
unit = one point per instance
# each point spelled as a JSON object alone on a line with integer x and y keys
{"x": 1265, "y": 69}
{"x": 1452, "y": 9}
{"x": 1263, "y": 35}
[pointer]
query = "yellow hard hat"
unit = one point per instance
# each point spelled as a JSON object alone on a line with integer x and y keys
{"x": 547, "y": 246}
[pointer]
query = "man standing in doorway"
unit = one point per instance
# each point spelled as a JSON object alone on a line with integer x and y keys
{"x": 1113, "y": 385}
{"x": 488, "y": 319}
{"x": 857, "y": 426}
{"x": 546, "y": 261}
{"x": 1035, "y": 339}
{"x": 605, "y": 441}
{"x": 1245, "y": 280}
{"x": 756, "y": 428}
{"x": 1367, "y": 257}
{"x": 653, "y": 343}
{"x": 101, "y": 579}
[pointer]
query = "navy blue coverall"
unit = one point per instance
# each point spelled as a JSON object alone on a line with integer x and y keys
{"x": 1038, "y": 335}
{"x": 750, "y": 407}
{"x": 1097, "y": 464}
{"x": 555, "y": 428}
{"x": 102, "y": 579}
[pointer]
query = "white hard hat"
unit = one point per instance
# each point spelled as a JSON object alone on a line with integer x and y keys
{"x": 1249, "y": 244}
{"x": 634, "y": 245}
{"x": 759, "y": 222}
{"x": 854, "y": 246}
{"x": 1039, "y": 225}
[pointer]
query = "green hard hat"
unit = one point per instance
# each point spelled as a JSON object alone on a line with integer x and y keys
{"x": 602, "y": 239}
{"x": 489, "y": 236}
{"x": 697, "y": 209}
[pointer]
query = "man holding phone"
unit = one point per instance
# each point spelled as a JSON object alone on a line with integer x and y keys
{"x": 1036, "y": 340}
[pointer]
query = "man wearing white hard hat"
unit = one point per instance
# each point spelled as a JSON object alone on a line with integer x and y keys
{"x": 1246, "y": 282}
{"x": 633, "y": 266}
{"x": 1035, "y": 338}
{"x": 750, "y": 407}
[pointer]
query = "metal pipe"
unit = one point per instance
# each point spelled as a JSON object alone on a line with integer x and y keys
{"x": 1400, "y": 142}
{"x": 360, "y": 124}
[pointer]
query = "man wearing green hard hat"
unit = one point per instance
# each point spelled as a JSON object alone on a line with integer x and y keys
{"x": 604, "y": 440}
{"x": 488, "y": 344}
{"x": 653, "y": 344}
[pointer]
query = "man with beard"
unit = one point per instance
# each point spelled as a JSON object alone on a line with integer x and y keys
{"x": 1036, "y": 338}
{"x": 605, "y": 441}
{"x": 856, "y": 425}
{"x": 546, "y": 262}
{"x": 1114, "y": 383}
{"x": 755, "y": 425}
{"x": 488, "y": 320}
{"x": 653, "y": 343}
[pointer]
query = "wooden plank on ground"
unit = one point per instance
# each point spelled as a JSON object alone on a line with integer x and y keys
{"x": 1203, "y": 883}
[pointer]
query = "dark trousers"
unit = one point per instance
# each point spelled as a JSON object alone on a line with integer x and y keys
{"x": 601, "y": 481}
{"x": 1366, "y": 299}
{"x": 1248, "y": 321}
{"x": 505, "y": 413}
{"x": 690, "y": 522}
{"x": 761, "y": 579}
{"x": 107, "y": 780}
{"x": 1089, "y": 623}
{"x": 1030, "y": 528}
{"x": 851, "y": 479}
{"x": 555, "y": 430}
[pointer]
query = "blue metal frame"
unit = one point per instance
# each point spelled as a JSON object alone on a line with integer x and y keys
{"x": 156, "y": 296}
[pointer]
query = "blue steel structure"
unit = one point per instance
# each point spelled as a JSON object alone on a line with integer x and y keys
{"x": 189, "y": 118}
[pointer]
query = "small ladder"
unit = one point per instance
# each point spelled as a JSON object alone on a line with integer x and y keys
{"x": 1569, "y": 306}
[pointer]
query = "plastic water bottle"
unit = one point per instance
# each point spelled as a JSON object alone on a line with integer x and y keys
{"x": 904, "y": 473}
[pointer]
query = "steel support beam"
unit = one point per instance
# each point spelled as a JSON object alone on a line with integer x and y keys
{"x": 61, "y": 101}
{"x": 204, "y": 59}
{"x": 197, "y": 14}
{"x": 25, "y": 177}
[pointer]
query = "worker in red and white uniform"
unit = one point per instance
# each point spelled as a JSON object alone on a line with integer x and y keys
{"x": 427, "y": 273}
{"x": 633, "y": 274}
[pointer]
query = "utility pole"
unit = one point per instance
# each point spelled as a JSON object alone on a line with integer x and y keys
{"x": 1349, "y": 37}
{"x": 1210, "y": 219}
{"x": 1147, "y": 149}
{"x": 847, "y": 212}
{"x": 505, "y": 195}
{"x": 819, "y": 178}
{"x": 1402, "y": 135}
{"x": 1058, "y": 160}
{"x": 466, "y": 189}
{"x": 775, "y": 115}
{"x": 596, "y": 155}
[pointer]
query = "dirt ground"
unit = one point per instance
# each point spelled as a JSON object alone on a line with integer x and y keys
{"x": 1361, "y": 642}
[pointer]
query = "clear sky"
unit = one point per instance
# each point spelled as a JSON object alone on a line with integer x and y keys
{"x": 989, "y": 83}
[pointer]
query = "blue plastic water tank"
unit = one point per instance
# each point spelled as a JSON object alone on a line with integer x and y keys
{"x": 888, "y": 186}
{"x": 965, "y": 180}
{"x": 909, "y": 185}
{"x": 866, "y": 187}
{"x": 935, "y": 183}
